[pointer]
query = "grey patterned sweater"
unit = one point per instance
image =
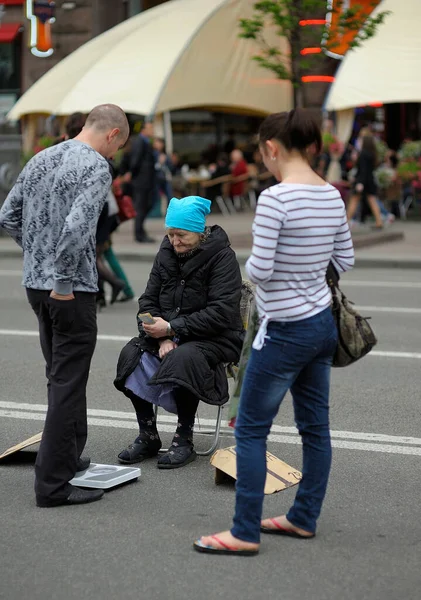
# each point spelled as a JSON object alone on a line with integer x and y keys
{"x": 52, "y": 213}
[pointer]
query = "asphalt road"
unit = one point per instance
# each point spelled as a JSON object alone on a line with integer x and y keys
{"x": 136, "y": 542}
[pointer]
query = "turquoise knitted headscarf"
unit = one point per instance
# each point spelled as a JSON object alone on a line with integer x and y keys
{"x": 188, "y": 213}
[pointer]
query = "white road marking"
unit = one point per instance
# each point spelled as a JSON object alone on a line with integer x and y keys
{"x": 7, "y": 273}
{"x": 386, "y": 284}
{"x": 28, "y": 333}
{"x": 284, "y": 439}
{"x": 391, "y": 354}
{"x": 390, "y": 309}
{"x": 370, "y": 442}
{"x": 344, "y": 282}
{"x": 126, "y": 338}
{"x": 367, "y": 447}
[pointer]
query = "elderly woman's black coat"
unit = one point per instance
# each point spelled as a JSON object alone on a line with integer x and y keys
{"x": 200, "y": 296}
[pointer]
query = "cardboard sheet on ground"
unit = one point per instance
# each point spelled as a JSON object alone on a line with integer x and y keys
{"x": 279, "y": 475}
{"x": 104, "y": 477}
{"x": 35, "y": 439}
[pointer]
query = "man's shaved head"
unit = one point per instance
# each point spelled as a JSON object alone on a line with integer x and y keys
{"x": 106, "y": 117}
{"x": 106, "y": 129}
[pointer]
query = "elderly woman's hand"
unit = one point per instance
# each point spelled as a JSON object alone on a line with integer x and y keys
{"x": 158, "y": 330}
{"x": 165, "y": 347}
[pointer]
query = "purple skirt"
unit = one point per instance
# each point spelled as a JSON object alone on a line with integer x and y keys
{"x": 160, "y": 395}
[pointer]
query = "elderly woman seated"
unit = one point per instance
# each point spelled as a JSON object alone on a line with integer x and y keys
{"x": 193, "y": 295}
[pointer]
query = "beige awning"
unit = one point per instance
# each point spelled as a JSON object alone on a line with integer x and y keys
{"x": 181, "y": 54}
{"x": 386, "y": 68}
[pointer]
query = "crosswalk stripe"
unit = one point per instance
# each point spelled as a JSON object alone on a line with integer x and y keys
{"x": 126, "y": 338}
{"x": 369, "y": 442}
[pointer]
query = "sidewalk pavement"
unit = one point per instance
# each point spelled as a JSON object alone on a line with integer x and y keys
{"x": 398, "y": 246}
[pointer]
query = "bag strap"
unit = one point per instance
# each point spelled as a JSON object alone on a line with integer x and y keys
{"x": 332, "y": 274}
{"x": 332, "y": 279}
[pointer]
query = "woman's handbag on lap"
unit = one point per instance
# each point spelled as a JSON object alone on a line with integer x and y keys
{"x": 355, "y": 336}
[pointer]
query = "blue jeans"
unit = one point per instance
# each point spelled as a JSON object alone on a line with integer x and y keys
{"x": 296, "y": 356}
{"x": 383, "y": 209}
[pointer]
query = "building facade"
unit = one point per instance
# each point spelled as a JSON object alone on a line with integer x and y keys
{"x": 76, "y": 22}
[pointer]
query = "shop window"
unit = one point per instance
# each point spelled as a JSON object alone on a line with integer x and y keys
{"x": 10, "y": 66}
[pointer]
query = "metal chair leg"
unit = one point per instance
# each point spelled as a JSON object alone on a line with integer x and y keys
{"x": 215, "y": 432}
{"x": 252, "y": 200}
{"x": 404, "y": 206}
{"x": 222, "y": 206}
{"x": 216, "y": 435}
{"x": 230, "y": 205}
{"x": 156, "y": 408}
{"x": 237, "y": 203}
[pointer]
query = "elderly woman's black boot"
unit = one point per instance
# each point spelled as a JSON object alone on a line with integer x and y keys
{"x": 181, "y": 452}
{"x": 147, "y": 444}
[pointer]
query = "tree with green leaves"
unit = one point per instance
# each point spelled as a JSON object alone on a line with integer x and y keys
{"x": 284, "y": 17}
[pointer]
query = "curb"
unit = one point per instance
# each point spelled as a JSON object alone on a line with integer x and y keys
{"x": 147, "y": 254}
{"x": 387, "y": 263}
{"x": 367, "y": 240}
{"x": 242, "y": 256}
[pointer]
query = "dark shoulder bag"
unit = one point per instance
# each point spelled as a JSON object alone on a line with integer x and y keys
{"x": 355, "y": 336}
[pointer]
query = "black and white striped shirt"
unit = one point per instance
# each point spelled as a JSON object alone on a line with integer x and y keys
{"x": 297, "y": 230}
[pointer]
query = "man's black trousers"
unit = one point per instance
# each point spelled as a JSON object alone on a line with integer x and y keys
{"x": 68, "y": 332}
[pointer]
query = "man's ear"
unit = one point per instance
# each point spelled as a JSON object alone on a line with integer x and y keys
{"x": 113, "y": 134}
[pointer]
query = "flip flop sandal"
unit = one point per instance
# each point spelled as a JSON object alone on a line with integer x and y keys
{"x": 200, "y": 547}
{"x": 279, "y": 530}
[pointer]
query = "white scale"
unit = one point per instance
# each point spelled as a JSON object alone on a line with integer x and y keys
{"x": 104, "y": 477}
{"x": 97, "y": 476}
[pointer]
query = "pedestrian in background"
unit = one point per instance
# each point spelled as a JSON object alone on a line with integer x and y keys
{"x": 74, "y": 125}
{"x": 52, "y": 213}
{"x": 262, "y": 179}
{"x": 239, "y": 172}
{"x": 365, "y": 185}
{"x": 143, "y": 178}
{"x": 164, "y": 167}
{"x": 300, "y": 226}
{"x": 220, "y": 169}
{"x": 107, "y": 224}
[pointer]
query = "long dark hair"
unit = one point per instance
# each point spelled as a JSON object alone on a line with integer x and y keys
{"x": 296, "y": 130}
{"x": 75, "y": 124}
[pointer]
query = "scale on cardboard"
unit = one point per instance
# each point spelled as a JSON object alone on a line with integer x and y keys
{"x": 97, "y": 476}
{"x": 279, "y": 476}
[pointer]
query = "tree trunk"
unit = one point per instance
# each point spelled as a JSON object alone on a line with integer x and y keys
{"x": 296, "y": 45}
{"x": 297, "y": 84}
{"x": 298, "y": 95}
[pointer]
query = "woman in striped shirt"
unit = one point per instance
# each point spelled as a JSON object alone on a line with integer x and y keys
{"x": 300, "y": 225}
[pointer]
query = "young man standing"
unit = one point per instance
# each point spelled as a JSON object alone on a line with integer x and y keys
{"x": 52, "y": 213}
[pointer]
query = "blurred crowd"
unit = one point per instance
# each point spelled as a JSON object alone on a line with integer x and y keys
{"x": 373, "y": 179}
{"x": 232, "y": 178}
